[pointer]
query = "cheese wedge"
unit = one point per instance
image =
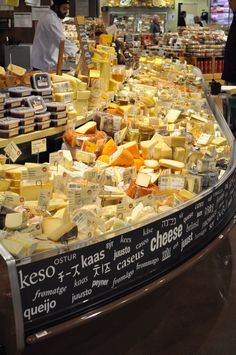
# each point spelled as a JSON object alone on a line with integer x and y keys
{"x": 186, "y": 195}
{"x": 219, "y": 141}
{"x": 88, "y": 128}
{"x": 132, "y": 147}
{"x": 55, "y": 228}
{"x": 122, "y": 157}
{"x": 85, "y": 157}
{"x": 173, "y": 115}
{"x": 143, "y": 179}
{"x": 109, "y": 148}
{"x": 179, "y": 154}
{"x": 138, "y": 163}
{"x": 15, "y": 248}
{"x": 175, "y": 141}
{"x": 171, "y": 164}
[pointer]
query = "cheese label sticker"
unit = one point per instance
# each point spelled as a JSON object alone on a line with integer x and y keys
{"x": 12, "y": 151}
{"x": 12, "y": 200}
{"x": 37, "y": 174}
{"x": 54, "y": 158}
{"x": 44, "y": 198}
{"x": 39, "y": 146}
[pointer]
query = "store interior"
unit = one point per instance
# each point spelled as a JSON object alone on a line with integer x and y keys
{"x": 117, "y": 177}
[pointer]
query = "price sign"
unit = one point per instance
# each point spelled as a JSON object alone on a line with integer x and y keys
{"x": 12, "y": 151}
{"x": 39, "y": 146}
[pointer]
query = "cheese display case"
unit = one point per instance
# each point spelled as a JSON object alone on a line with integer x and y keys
{"x": 135, "y": 193}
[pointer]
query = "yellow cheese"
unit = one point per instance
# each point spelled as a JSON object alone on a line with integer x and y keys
{"x": 219, "y": 141}
{"x": 143, "y": 179}
{"x": 113, "y": 85}
{"x": 65, "y": 97}
{"x": 153, "y": 164}
{"x": 2, "y": 72}
{"x": 16, "y": 70}
{"x": 55, "y": 228}
{"x": 147, "y": 148}
{"x": 132, "y": 147}
{"x": 173, "y": 115}
{"x": 44, "y": 245}
{"x": 72, "y": 114}
{"x": 83, "y": 95}
{"x": 87, "y": 128}
{"x": 57, "y": 78}
{"x": 4, "y": 185}
{"x": 31, "y": 191}
{"x": 85, "y": 157}
{"x": 15, "y": 173}
{"x": 175, "y": 141}
{"x": 171, "y": 164}
{"x": 179, "y": 154}
{"x": 95, "y": 74}
{"x": 14, "y": 247}
{"x": 187, "y": 195}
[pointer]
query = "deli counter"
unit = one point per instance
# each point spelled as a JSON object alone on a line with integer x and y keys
{"x": 115, "y": 296}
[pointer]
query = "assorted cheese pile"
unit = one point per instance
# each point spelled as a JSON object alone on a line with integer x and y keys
{"x": 143, "y": 155}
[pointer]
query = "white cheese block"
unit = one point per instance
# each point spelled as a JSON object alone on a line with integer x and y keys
{"x": 143, "y": 179}
{"x": 15, "y": 220}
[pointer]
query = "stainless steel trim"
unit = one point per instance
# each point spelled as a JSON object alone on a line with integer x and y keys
{"x": 16, "y": 298}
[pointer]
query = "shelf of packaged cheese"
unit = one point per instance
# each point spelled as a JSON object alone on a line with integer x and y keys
{"x": 24, "y": 138}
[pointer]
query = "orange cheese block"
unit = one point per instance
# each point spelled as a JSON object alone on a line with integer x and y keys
{"x": 109, "y": 148}
{"x": 138, "y": 163}
{"x": 104, "y": 159}
{"x": 136, "y": 191}
{"x": 70, "y": 137}
{"x": 132, "y": 147}
{"x": 87, "y": 128}
{"x": 122, "y": 157}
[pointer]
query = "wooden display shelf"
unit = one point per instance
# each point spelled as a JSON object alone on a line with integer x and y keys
{"x": 24, "y": 138}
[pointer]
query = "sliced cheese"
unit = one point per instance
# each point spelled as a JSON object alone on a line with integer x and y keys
{"x": 88, "y": 128}
{"x": 153, "y": 164}
{"x": 171, "y": 164}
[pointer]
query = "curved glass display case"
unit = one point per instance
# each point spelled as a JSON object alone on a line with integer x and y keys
{"x": 53, "y": 293}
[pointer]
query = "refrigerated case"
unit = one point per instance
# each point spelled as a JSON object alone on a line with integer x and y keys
{"x": 77, "y": 296}
{"x": 220, "y": 13}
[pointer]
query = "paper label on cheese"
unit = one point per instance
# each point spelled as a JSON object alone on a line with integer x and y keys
{"x": 39, "y": 146}
{"x": 80, "y": 196}
{"x": 12, "y": 151}
{"x": 124, "y": 209}
{"x": 54, "y": 158}
{"x": 12, "y": 200}
{"x": 171, "y": 182}
{"x": 84, "y": 221}
{"x": 120, "y": 136}
{"x": 44, "y": 198}
{"x": 204, "y": 139}
{"x": 38, "y": 173}
{"x": 61, "y": 182}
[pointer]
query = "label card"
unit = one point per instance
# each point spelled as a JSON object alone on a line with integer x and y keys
{"x": 12, "y": 151}
{"x": 39, "y": 146}
{"x": 44, "y": 198}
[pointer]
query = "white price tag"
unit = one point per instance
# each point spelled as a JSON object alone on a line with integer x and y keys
{"x": 44, "y": 198}
{"x": 13, "y": 200}
{"x": 54, "y": 158}
{"x": 39, "y": 146}
{"x": 39, "y": 173}
{"x": 12, "y": 151}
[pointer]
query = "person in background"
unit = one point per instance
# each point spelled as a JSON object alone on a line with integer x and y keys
{"x": 229, "y": 72}
{"x": 112, "y": 29}
{"x": 155, "y": 26}
{"x": 181, "y": 19}
{"x": 49, "y": 33}
{"x": 197, "y": 21}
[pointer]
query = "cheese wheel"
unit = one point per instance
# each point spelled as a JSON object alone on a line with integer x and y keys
{"x": 153, "y": 164}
